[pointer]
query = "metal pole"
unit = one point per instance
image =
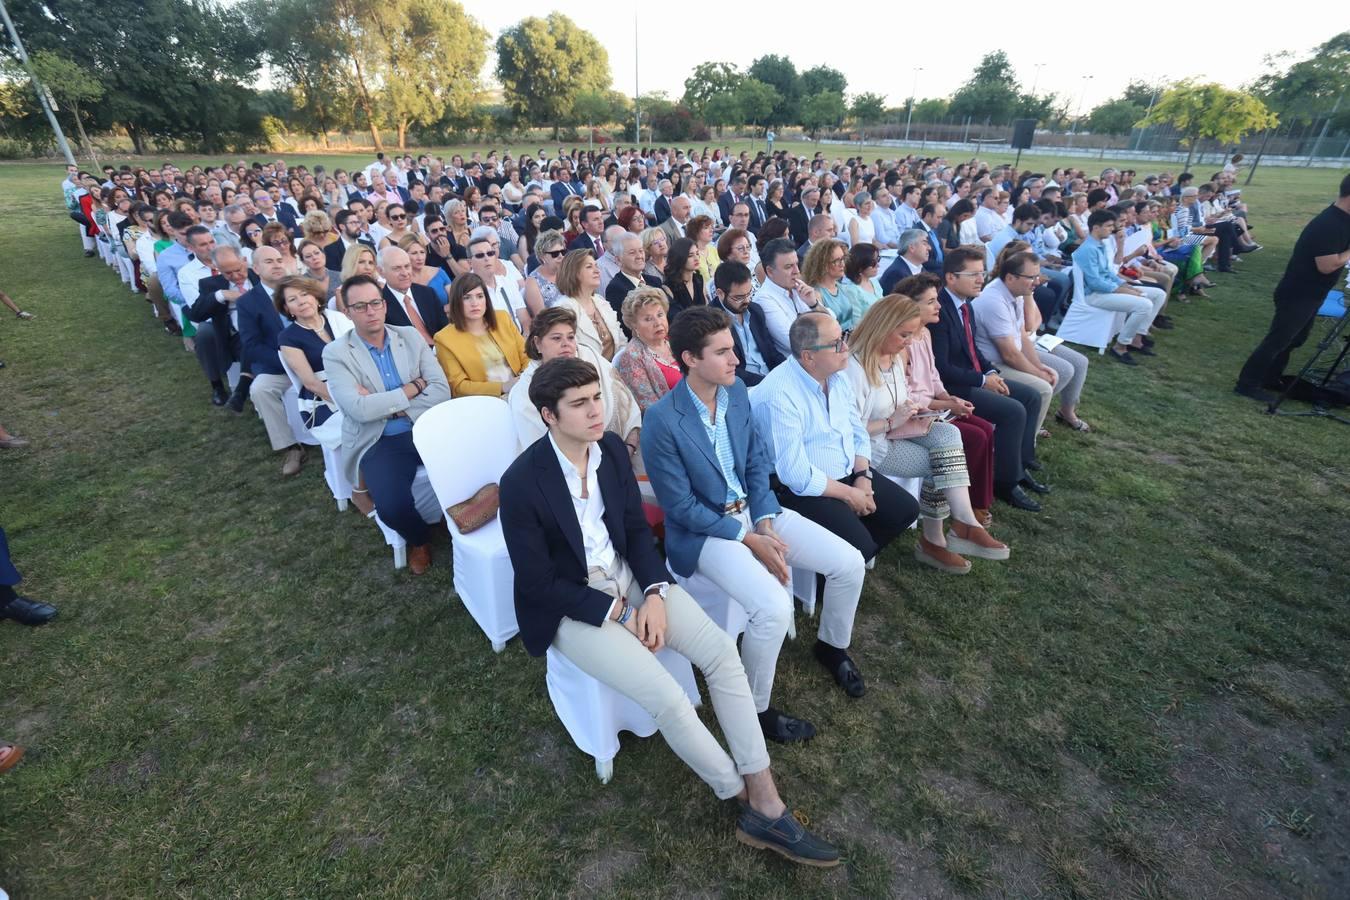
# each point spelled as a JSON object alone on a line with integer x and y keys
{"x": 1317, "y": 144}
{"x": 37, "y": 85}
{"x": 1138, "y": 138}
{"x": 912, "y": 92}
{"x": 1036, "y": 79}
{"x": 1256, "y": 162}
{"x": 637, "y": 94}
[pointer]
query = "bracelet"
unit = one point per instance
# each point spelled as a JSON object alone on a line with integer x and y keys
{"x": 625, "y": 614}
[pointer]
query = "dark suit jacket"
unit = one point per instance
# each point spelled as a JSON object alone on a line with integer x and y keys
{"x": 763, "y": 342}
{"x": 802, "y": 251}
{"x": 799, "y": 222}
{"x": 207, "y": 308}
{"x": 935, "y": 258}
{"x": 662, "y": 209}
{"x": 584, "y": 241}
{"x": 543, "y": 538}
{"x": 259, "y": 329}
{"x": 618, "y": 289}
{"x": 559, "y": 192}
{"x": 334, "y": 252}
{"x": 897, "y": 271}
{"x": 428, "y": 307}
{"x": 725, "y": 203}
{"x": 286, "y": 216}
{"x": 950, "y": 351}
{"x": 756, "y": 218}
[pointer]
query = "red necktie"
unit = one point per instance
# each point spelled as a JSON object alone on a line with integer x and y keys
{"x": 970, "y": 336}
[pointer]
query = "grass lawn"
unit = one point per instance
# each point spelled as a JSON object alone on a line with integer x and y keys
{"x": 241, "y": 697}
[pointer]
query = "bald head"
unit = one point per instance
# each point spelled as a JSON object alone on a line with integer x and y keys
{"x": 268, "y": 263}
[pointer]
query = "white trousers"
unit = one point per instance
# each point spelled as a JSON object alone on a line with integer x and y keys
{"x": 1139, "y": 311}
{"x": 733, "y": 568}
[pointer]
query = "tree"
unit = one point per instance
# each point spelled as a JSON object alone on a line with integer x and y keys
{"x": 707, "y": 81}
{"x": 931, "y": 109}
{"x": 990, "y": 93}
{"x": 754, "y": 100}
{"x": 593, "y": 108}
{"x": 1114, "y": 117}
{"x": 823, "y": 78}
{"x": 543, "y": 64}
{"x": 823, "y": 110}
{"x": 311, "y": 62}
{"x": 722, "y": 110}
{"x": 172, "y": 69}
{"x": 780, "y": 75}
{"x": 1310, "y": 88}
{"x": 868, "y": 108}
{"x": 1212, "y": 111}
{"x": 70, "y": 84}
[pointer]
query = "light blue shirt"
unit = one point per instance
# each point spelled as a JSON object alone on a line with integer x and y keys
{"x": 1099, "y": 275}
{"x": 384, "y": 362}
{"x": 754, "y": 360}
{"x": 907, "y": 217}
{"x": 812, "y": 437}
{"x": 167, "y": 265}
{"x": 1002, "y": 239}
{"x": 720, "y": 438}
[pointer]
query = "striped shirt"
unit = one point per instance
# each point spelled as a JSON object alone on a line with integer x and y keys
{"x": 720, "y": 438}
{"x": 813, "y": 437}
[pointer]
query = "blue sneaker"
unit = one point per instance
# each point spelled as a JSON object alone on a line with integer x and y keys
{"x": 786, "y": 836}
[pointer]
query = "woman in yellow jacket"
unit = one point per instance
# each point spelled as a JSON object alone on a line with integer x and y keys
{"x": 481, "y": 350}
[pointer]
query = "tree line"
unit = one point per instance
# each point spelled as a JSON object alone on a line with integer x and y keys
{"x": 203, "y": 75}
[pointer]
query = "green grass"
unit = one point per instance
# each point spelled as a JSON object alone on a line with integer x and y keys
{"x": 242, "y": 698}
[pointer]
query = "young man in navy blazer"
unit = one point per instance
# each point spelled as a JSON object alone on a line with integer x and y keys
{"x": 710, "y": 470}
{"x": 590, "y": 584}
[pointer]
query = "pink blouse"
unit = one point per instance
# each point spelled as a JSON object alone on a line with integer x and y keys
{"x": 922, "y": 377}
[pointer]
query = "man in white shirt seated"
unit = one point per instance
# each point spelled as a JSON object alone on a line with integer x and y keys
{"x": 784, "y": 296}
{"x": 883, "y": 220}
{"x": 988, "y": 219}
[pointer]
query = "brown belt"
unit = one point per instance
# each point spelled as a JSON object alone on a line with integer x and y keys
{"x": 734, "y": 508}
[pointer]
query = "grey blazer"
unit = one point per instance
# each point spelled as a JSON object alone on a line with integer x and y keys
{"x": 348, "y": 364}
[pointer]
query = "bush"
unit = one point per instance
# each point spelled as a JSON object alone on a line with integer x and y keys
{"x": 11, "y": 149}
{"x": 679, "y": 124}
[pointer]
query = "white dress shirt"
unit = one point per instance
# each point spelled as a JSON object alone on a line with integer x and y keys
{"x": 781, "y": 309}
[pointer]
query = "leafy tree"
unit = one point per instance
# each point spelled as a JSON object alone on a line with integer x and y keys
{"x": 722, "y": 110}
{"x": 823, "y": 110}
{"x": 173, "y": 69}
{"x": 313, "y": 63}
{"x": 931, "y": 109}
{"x": 1310, "y": 88}
{"x": 1142, "y": 94}
{"x": 823, "y": 78}
{"x": 868, "y": 108}
{"x": 780, "y": 75}
{"x": 543, "y": 64}
{"x": 1212, "y": 111}
{"x": 755, "y": 101}
{"x": 707, "y": 81}
{"x": 991, "y": 92}
{"x": 1114, "y": 117}
{"x": 592, "y": 108}
{"x": 70, "y": 84}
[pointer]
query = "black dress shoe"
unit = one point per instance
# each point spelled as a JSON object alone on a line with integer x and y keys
{"x": 1255, "y": 393}
{"x": 844, "y": 669}
{"x": 1164, "y": 322}
{"x": 1035, "y": 465}
{"x": 1145, "y": 350}
{"x": 784, "y": 729}
{"x": 219, "y": 396}
{"x": 1032, "y": 484}
{"x": 1018, "y": 499}
{"x": 1146, "y": 340}
{"x": 28, "y": 612}
{"x": 236, "y": 401}
{"x": 1125, "y": 357}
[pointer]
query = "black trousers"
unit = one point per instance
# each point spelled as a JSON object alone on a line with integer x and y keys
{"x": 896, "y": 511}
{"x": 1014, "y": 419}
{"x": 1290, "y": 327}
{"x": 1227, "y": 235}
{"x": 216, "y": 348}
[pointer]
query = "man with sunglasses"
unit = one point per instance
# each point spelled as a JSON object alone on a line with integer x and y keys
{"x": 820, "y": 448}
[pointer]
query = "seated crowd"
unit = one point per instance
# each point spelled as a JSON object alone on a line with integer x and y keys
{"x": 798, "y": 360}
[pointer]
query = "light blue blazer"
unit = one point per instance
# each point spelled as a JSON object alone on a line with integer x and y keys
{"x": 687, "y": 477}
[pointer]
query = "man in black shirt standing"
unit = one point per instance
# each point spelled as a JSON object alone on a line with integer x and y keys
{"x": 1321, "y": 252}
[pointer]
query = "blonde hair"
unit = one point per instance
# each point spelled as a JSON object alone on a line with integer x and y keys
{"x": 649, "y": 236}
{"x": 817, "y": 263}
{"x": 568, "y": 278}
{"x": 882, "y": 318}
{"x": 353, "y": 256}
{"x": 549, "y": 240}
{"x": 638, "y": 299}
{"x": 316, "y": 222}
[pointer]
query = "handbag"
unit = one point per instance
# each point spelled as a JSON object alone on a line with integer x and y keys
{"x": 477, "y": 511}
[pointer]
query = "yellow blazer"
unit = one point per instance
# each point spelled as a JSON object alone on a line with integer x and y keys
{"x": 457, "y": 352}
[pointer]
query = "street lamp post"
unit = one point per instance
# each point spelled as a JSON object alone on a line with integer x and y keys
{"x": 1079, "y": 113}
{"x": 1036, "y": 79}
{"x": 913, "y": 92}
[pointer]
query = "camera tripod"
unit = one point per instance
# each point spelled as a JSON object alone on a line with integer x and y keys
{"x": 1319, "y": 408}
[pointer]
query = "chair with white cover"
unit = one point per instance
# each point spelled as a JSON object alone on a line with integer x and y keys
{"x": 328, "y": 436}
{"x": 1088, "y": 325}
{"x": 428, "y": 507}
{"x": 465, "y": 444}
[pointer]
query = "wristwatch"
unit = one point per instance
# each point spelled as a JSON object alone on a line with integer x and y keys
{"x": 657, "y": 589}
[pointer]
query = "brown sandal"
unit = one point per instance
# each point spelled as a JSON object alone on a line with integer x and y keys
{"x": 10, "y": 754}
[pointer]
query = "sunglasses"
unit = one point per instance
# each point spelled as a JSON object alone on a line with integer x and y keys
{"x": 838, "y": 346}
{"x": 554, "y": 253}
{"x": 398, "y": 218}
{"x": 486, "y": 254}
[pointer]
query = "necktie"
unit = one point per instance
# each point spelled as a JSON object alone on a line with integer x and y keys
{"x": 599, "y": 248}
{"x": 416, "y": 318}
{"x": 970, "y": 337}
{"x": 215, "y": 271}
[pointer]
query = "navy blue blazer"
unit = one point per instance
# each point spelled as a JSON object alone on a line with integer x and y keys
{"x": 935, "y": 258}
{"x": 950, "y": 350}
{"x": 543, "y": 538}
{"x": 559, "y": 191}
{"x": 662, "y": 209}
{"x": 428, "y": 307}
{"x": 895, "y": 273}
{"x": 260, "y": 326}
{"x": 768, "y": 351}
{"x": 207, "y": 308}
{"x": 286, "y": 216}
{"x": 688, "y": 479}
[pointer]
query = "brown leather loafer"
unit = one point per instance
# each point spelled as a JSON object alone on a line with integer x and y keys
{"x": 419, "y": 558}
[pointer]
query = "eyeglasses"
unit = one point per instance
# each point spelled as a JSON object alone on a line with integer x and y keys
{"x": 486, "y": 254}
{"x": 740, "y": 298}
{"x": 838, "y": 346}
{"x": 362, "y": 307}
{"x": 968, "y": 274}
{"x": 837, "y": 261}
{"x": 554, "y": 253}
{"x": 435, "y": 232}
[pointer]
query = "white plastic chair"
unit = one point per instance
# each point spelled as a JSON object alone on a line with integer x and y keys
{"x": 467, "y": 443}
{"x": 594, "y": 713}
{"x": 1085, "y": 324}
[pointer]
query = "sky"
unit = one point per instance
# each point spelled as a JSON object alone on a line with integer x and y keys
{"x": 670, "y": 47}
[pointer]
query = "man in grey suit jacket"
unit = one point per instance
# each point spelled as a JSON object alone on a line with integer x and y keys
{"x": 674, "y": 227}
{"x": 383, "y": 377}
{"x": 710, "y": 470}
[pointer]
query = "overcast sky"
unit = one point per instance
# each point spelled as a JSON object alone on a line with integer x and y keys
{"x": 1173, "y": 46}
